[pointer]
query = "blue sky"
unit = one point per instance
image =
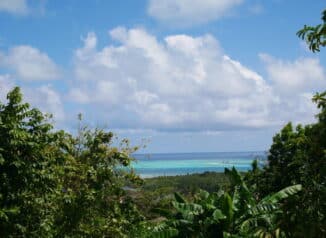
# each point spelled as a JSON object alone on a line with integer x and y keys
{"x": 177, "y": 75}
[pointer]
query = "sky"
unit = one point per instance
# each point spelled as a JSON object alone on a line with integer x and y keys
{"x": 173, "y": 75}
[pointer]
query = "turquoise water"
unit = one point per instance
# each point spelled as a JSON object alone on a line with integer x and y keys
{"x": 169, "y": 164}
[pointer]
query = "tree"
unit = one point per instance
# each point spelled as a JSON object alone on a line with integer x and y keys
{"x": 29, "y": 161}
{"x": 54, "y": 184}
{"x": 315, "y": 36}
{"x": 94, "y": 202}
{"x": 298, "y": 156}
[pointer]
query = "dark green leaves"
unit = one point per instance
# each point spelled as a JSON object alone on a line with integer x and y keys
{"x": 54, "y": 184}
{"x": 314, "y": 36}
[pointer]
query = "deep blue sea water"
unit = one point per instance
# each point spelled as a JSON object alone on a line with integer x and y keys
{"x": 169, "y": 164}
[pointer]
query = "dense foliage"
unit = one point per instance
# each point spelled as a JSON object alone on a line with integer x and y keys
{"x": 29, "y": 160}
{"x": 158, "y": 192}
{"x": 234, "y": 213}
{"x": 55, "y": 184}
{"x": 298, "y": 156}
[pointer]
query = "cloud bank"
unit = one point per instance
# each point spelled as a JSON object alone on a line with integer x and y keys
{"x": 185, "y": 83}
{"x": 179, "y": 83}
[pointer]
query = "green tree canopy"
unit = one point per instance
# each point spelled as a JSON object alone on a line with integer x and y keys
{"x": 54, "y": 184}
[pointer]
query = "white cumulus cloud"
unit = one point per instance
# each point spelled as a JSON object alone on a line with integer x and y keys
{"x": 185, "y": 12}
{"x": 301, "y": 75}
{"x": 47, "y": 99}
{"x": 29, "y": 63}
{"x": 180, "y": 83}
{"x": 23, "y": 64}
{"x": 43, "y": 97}
{"x": 294, "y": 83}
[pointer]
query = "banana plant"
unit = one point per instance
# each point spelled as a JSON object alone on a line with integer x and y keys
{"x": 225, "y": 214}
{"x": 199, "y": 218}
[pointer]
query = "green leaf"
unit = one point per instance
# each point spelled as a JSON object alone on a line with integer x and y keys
{"x": 203, "y": 194}
{"x": 284, "y": 193}
{"x": 218, "y": 215}
{"x": 227, "y": 207}
{"x": 188, "y": 207}
{"x": 179, "y": 198}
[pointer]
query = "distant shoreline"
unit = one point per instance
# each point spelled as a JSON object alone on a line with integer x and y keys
{"x": 172, "y": 164}
{"x": 204, "y": 152}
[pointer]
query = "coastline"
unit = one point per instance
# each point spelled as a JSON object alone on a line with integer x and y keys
{"x": 173, "y": 164}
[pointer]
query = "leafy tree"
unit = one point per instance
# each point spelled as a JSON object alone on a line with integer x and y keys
{"x": 54, "y": 184}
{"x": 29, "y": 160}
{"x": 315, "y": 36}
{"x": 94, "y": 202}
{"x": 298, "y": 156}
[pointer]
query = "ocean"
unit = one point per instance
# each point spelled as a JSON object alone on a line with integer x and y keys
{"x": 169, "y": 164}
